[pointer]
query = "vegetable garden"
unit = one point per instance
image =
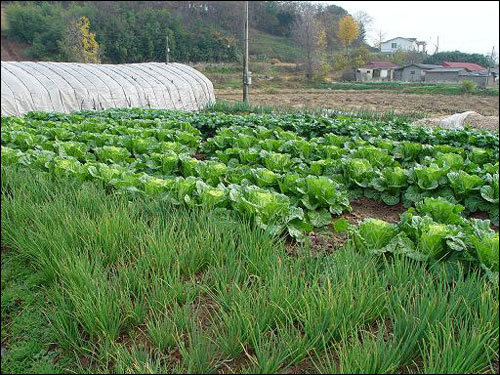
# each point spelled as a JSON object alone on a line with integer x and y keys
{"x": 148, "y": 241}
{"x": 290, "y": 173}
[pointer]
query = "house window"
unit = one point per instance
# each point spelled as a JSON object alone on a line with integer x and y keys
{"x": 394, "y": 45}
{"x": 412, "y": 72}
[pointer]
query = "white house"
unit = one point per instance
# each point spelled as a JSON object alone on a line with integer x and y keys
{"x": 402, "y": 44}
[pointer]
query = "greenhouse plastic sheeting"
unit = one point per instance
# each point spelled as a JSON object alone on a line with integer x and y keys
{"x": 68, "y": 87}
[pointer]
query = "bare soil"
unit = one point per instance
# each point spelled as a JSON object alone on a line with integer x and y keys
{"x": 483, "y": 216}
{"x": 373, "y": 100}
{"x": 13, "y": 51}
{"x": 364, "y": 208}
{"x": 306, "y": 366}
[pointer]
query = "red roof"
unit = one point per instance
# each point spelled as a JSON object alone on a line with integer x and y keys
{"x": 380, "y": 64}
{"x": 469, "y": 66}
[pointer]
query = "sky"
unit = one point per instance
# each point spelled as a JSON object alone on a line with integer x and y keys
{"x": 468, "y": 26}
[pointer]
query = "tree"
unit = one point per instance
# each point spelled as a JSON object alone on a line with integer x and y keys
{"x": 364, "y": 21}
{"x": 348, "y": 31}
{"x": 329, "y": 17}
{"x": 440, "y": 57}
{"x": 361, "y": 56}
{"x": 309, "y": 35}
{"x": 41, "y": 27}
{"x": 493, "y": 58}
{"x": 379, "y": 40}
{"x": 80, "y": 44}
{"x": 399, "y": 58}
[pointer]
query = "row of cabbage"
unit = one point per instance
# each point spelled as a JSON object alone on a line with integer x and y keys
{"x": 200, "y": 186}
{"x": 306, "y": 125}
{"x": 379, "y": 168}
{"x": 435, "y": 230}
{"x": 303, "y": 181}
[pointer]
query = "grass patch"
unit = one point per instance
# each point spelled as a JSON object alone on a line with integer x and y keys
{"x": 406, "y": 87}
{"x": 263, "y": 46}
{"x": 117, "y": 283}
{"x": 28, "y": 341}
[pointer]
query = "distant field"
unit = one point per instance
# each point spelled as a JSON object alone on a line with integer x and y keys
{"x": 278, "y": 76}
{"x": 365, "y": 100}
{"x": 406, "y": 87}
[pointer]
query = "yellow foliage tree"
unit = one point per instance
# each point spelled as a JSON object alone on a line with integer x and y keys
{"x": 348, "y": 30}
{"x": 90, "y": 47}
{"x": 321, "y": 42}
{"x": 80, "y": 42}
{"x": 323, "y": 68}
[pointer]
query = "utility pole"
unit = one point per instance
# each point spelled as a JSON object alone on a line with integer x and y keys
{"x": 167, "y": 51}
{"x": 380, "y": 40}
{"x": 489, "y": 65}
{"x": 245, "y": 57}
{"x": 492, "y": 56}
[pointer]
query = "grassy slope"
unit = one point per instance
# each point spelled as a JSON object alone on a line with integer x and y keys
{"x": 267, "y": 46}
{"x": 107, "y": 284}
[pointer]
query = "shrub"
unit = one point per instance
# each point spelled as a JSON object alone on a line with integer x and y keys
{"x": 468, "y": 87}
{"x": 348, "y": 74}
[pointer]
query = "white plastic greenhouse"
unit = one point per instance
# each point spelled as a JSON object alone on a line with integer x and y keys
{"x": 68, "y": 87}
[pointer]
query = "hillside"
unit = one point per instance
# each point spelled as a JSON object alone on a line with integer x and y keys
{"x": 136, "y": 31}
{"x": 11, "y": 50}
{"x": 263, "y": 46}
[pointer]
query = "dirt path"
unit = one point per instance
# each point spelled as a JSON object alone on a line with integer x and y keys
{"x": 374, "y": 100}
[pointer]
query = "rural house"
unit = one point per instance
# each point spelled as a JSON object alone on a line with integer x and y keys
{"x": 376, "y": 71}
{"x": 482, "y": 78}
{"x": 444, "y": 74}
{"x": 494, "y": 73}
{"x": 471, "y": 67}
{"x": 393, "y": 45}
{"x": 413, "y": 72}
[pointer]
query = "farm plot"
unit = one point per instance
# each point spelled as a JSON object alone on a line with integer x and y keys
{"x": 158, "y": 240}
{"x": 290, "y": 173}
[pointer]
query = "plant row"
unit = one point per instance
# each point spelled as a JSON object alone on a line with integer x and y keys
{"x": 433, "y": 231}
{"x": 306, "y": 125}
{"x": 273, "y": 159}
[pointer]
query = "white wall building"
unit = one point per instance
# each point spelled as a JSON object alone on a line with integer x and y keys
{"x": 402, "y": 44}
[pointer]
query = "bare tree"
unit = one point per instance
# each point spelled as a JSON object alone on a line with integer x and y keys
{"x": 365, "y": 22}
{"x": 379, "y": 39}
{"x": 304, "y": 35}
{"x": 364, "y": 19}
{"x": 493, "y": 57}
{"x": 310, "y": 35}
